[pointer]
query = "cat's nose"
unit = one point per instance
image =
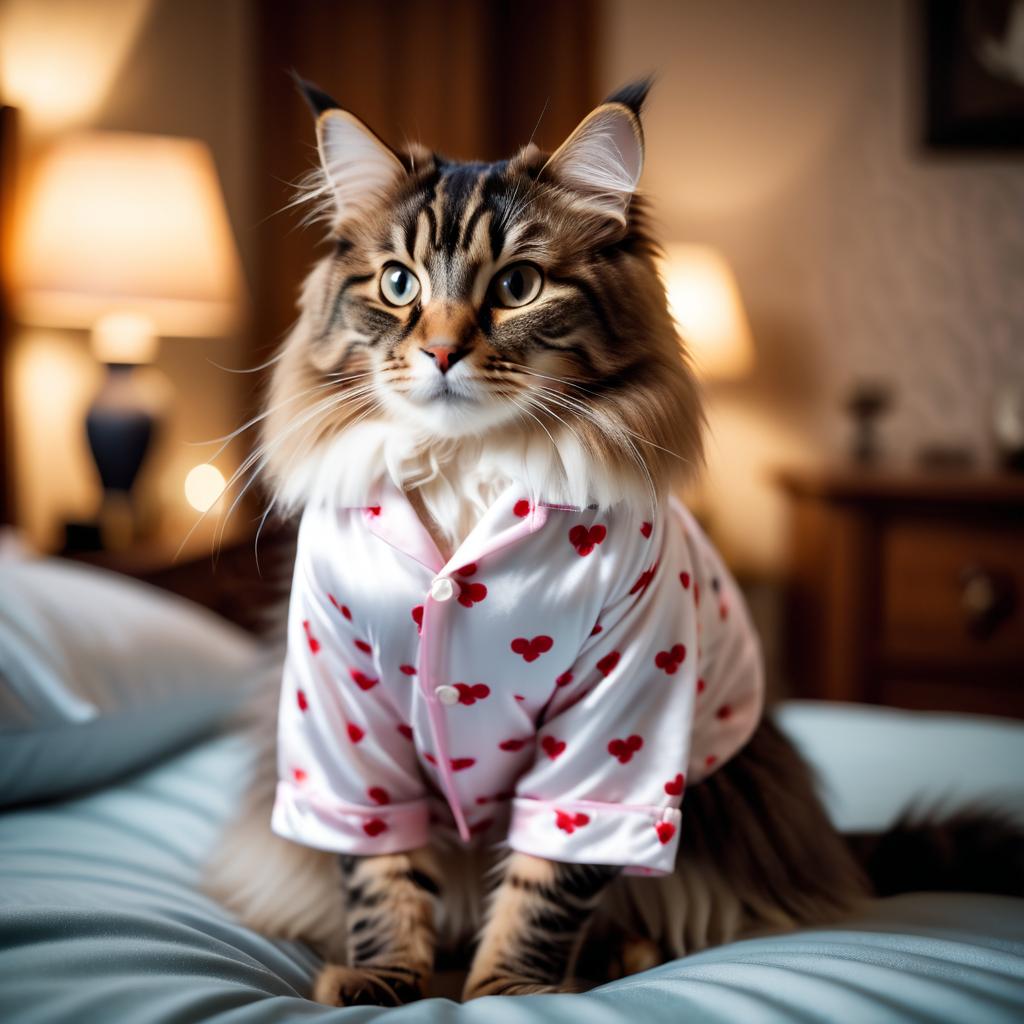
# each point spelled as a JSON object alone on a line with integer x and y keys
{"x": 445, "y": 356}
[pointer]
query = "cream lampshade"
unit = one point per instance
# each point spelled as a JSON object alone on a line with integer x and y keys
{"x": 126, "y": 235}
{"x": 130, "y": 225}
{"x": 705, "y": 302}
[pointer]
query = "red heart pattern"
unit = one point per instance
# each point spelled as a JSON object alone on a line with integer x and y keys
{"x": 644, "y": 580}
{"x": 552, "y": 747}
{"x": 666, "y": 830}
{"x": 625, "y": 749}
{"x": 670, "y": 660}
{"x": 314, "y": 644}
{"x": 471, "y": 593}
{"x": 469, "y": 695}
{"x": 584, "y": 540}
{"x": 570, "y": 822}
{"x": 363, "y": 681}
{"x": 531, "y": 650}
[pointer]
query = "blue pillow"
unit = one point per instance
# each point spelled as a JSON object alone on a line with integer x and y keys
{"x": 100, "y": 675}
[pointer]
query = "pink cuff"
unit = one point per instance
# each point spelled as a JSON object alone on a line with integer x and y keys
{"x": 327, "y": 824}
{"x": 643, "y": 839}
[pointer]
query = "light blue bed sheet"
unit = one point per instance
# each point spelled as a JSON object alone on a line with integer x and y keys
{"x": 101, "y": 921}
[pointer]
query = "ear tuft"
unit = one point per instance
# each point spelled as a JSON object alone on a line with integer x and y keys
{"x": 633, "y": 95}
{"x": 359, "y": 167}
{"x": 602, "y": 159}
{"x": 316, "y": 99}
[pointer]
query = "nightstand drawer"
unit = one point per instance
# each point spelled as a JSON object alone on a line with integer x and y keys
{"x": 952, "y": 592}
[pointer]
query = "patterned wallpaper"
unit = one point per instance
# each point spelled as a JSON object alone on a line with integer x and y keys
{"x": 787, "y": 135}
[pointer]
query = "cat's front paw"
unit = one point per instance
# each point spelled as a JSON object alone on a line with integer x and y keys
{"x": 509, "y": 985}
{"x": 337, "y": 985}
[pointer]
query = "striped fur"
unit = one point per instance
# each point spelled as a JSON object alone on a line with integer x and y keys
{"x": 535, "y": 925}
{"x": 583, "y": 394}
{"x": 389, "y": 916}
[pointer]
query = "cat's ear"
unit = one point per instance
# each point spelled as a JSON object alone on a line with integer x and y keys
{"x": 358, "y": 166}
{"x": 603, "y": 157}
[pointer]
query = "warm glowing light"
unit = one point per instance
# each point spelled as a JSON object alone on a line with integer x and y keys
{"x": 203, "y": 486}
{"x": 705, "y": 302}
{"x": 118, "y": 222}
{"x": 58, "y": 58}
{"x": 124, "y": 338}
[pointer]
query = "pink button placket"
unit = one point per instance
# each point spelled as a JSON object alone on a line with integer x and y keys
{"x": 393, "y": 519}
{"x": 433, "y": 637}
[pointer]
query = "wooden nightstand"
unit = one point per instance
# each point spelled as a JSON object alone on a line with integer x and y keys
{"x": 907, "y": 589}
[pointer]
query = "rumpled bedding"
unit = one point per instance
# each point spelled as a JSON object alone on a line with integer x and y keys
{"x": 101, "y": 920}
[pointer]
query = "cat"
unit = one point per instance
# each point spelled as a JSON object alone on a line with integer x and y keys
{"x": 486, "y": 352}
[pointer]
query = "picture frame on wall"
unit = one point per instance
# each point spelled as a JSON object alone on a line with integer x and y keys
{"x": 974, "y": 74}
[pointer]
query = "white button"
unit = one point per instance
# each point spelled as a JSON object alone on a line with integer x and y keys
{"x": 447, "y": 695}
{"x": 443, "y": 588}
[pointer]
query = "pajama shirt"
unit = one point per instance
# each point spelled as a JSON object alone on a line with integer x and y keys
{"x": 556, "y": 684}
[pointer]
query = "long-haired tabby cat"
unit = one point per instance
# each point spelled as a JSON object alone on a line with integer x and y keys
{"x": 509, "y": 650}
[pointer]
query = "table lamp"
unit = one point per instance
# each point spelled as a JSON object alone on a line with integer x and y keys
{"x": 126, "y": 235}
{"x": 705, "y": 302}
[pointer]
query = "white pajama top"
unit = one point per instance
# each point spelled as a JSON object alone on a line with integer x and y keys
{"x": 555, "y": 684}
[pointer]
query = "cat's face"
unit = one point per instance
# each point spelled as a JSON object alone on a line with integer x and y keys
{"x": 464, "y": 299}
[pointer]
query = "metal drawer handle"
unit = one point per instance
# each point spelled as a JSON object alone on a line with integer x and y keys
{"x": 988, "y": 598}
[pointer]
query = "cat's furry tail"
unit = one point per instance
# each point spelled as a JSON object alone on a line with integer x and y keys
{"x": 971, "y": 850}
{"x": 274, "y": 886}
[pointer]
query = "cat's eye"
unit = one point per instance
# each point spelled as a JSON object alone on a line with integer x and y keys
{"x": 398, "y": 285}
{"x": 517, "y": 285}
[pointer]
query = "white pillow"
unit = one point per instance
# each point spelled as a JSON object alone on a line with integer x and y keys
{"x": 100, "y": 674}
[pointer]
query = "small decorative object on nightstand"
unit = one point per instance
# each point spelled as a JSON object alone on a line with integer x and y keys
{"x": 867, "y": 402}
{"x": 908, "y": 588}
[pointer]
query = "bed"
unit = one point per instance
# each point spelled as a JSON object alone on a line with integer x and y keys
{"x": 101, "y": 918}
